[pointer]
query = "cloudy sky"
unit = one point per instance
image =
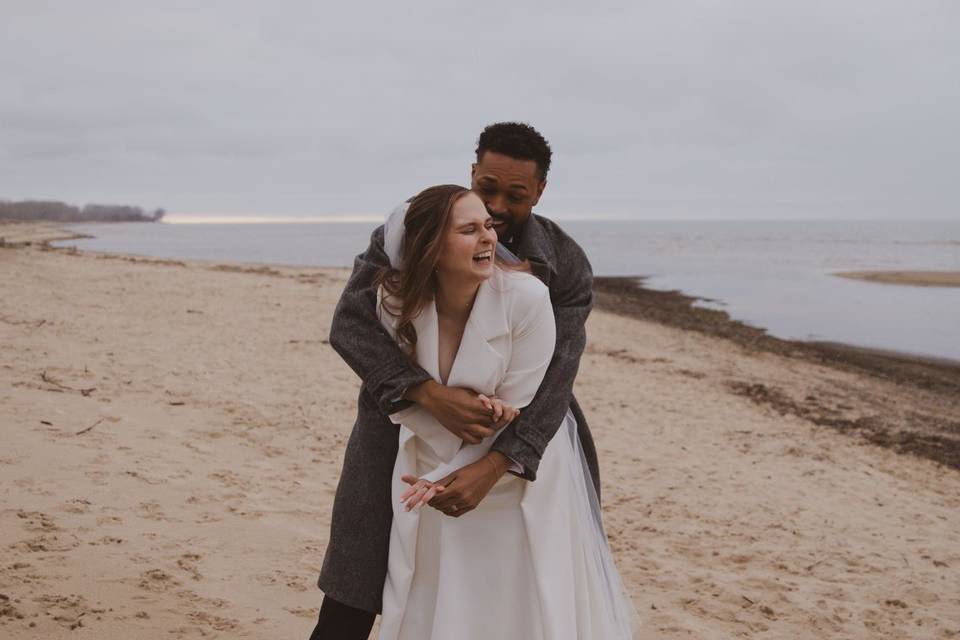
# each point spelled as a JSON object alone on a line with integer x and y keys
{"x": 661, "y": 109}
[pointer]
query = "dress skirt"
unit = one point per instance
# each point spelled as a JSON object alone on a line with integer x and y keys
{"x": 530, "y": 562}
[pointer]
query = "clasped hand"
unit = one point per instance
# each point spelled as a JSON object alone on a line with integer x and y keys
{"x": 461, "y": 491}
{"x": 464, "y": 413}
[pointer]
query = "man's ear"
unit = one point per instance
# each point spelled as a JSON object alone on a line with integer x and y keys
{"x": 540, "y": 187}
{"x": 473, "y": 173}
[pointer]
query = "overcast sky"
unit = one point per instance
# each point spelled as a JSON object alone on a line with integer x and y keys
{"x": 654, "y": 109}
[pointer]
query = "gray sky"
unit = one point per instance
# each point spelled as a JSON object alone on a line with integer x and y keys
{"x": 654, "y": 109}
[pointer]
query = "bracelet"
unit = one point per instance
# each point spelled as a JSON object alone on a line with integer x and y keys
{"x": 496, "y": 469}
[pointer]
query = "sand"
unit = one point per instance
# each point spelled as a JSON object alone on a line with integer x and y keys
{"x": 913, "y": 278}
{"x": 173, "y": 433}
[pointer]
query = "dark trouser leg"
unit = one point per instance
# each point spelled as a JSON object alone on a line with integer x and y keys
{"x": 339, "y": 621}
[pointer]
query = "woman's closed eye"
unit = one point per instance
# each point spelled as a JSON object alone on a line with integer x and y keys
{"x": 472, "y": 228}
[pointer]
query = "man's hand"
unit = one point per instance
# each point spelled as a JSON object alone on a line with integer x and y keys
{"x": 465, "y": 488}
{"x": 460, "y": 411}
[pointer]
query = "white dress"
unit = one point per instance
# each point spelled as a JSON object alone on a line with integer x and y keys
{"x": 531, "y": 561}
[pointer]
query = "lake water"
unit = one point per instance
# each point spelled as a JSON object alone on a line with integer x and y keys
{"x": 774, "y": 275}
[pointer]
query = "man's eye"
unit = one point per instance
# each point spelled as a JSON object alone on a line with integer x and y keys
{"x": 516, "y": 199}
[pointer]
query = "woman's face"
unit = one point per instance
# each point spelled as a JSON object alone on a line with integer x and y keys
{"x": 470, "y": 241}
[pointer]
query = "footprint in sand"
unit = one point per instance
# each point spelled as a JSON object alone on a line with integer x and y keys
{"x": 69, "y": 611}
{"x": 48, "y": 542}
{"x": 36, "y": 521}
{"x": 77, "y": 505}
{"x": 188, "y": 562}
{"x": 218, "y": 623}
{"x": 231, "y": 479}
{"x": 290, "y": 580}
{"x": 7, "y": 610}
{"x": 157, "y": 580}
{"x": 151, "y": 510}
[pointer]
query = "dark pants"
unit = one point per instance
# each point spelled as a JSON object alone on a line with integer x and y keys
{"x": 342, "y": 622}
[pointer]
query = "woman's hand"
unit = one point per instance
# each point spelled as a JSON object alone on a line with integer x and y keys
{"x": 465, "y": 488}
{"x": 502, "y": 413}
{"x": 420, "y": 492}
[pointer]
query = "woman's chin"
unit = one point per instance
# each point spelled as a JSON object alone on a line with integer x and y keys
{"x": 483, "y": 272}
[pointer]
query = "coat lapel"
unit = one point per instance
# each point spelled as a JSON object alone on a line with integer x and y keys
{"x": 480, "y": 362}
{"x": 535, "y": 246}
{"x": 428, "y": 345}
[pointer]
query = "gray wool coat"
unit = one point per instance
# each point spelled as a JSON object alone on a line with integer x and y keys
{"x": 355, "y": 565}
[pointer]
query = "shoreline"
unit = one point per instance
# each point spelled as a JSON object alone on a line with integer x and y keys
{"x": 905, "y": 278}
{"x": 627, "y": 296}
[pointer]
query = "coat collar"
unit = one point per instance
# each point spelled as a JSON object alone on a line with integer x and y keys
{"x": 488, "y": 321}
{"x": 535, "y": 246}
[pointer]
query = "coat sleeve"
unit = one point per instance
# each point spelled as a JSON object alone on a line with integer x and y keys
{"x": 532, "y": 346}
{"x": 361, "y": 340}
{"x": 525, "y": 439}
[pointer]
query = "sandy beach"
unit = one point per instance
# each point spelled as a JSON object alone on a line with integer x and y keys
{"x": 173, "y": 433}
{"x": 912, "y": 278}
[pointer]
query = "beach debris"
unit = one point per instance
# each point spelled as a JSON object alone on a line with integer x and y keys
{"x": 46, "y": 422}
{"x": 7, "y": 610}
{"x": 176, "y": 403}
{"x": 31, "y": 323}
{"x": 60, "y": 387}
{"x": 942, "y": 447}
{"x": 83, "y": 431}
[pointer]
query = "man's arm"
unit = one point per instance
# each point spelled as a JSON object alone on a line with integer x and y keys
{"x": 571, "y": 292}
{"x": 361, "y": 340}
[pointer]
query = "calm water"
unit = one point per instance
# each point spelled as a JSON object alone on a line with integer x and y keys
{"x": 774, "y": 275}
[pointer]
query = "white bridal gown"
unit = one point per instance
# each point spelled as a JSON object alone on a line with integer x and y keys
{"x": 531, "y": 561}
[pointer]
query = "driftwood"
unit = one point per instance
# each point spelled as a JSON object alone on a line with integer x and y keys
{"x": 83, "y": 431}
{"x": 54, "y": 382}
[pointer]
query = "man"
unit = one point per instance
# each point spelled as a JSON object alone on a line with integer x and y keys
{"x": 509, "y": 175}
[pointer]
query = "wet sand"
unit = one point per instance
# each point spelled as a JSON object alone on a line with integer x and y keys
{"x": 173, "y": 433}
{"x": 911, "y": 278}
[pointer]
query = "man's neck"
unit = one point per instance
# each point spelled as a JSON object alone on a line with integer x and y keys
{"x": 514, "y": 240}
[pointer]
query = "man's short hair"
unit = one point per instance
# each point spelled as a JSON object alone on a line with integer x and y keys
{"x": 517, "y": 140}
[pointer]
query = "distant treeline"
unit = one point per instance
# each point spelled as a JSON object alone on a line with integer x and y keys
{"x": 62, "y": 212}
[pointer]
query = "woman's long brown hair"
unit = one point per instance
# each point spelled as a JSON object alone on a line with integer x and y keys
{"x": 410, "y": 287}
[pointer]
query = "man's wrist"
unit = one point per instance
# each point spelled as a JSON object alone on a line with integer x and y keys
{"x": 499, "y": 462}
{"x": 420, "y": 393}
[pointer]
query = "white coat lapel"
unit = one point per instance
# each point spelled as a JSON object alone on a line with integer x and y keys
{"x": 481, "y": 360}
{"x": 428, "y": 340}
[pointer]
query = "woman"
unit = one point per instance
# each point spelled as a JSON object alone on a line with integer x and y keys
{"x": 531, "y": 561}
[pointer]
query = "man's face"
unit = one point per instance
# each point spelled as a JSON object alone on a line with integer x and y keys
{"x": 509, "y": 188}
